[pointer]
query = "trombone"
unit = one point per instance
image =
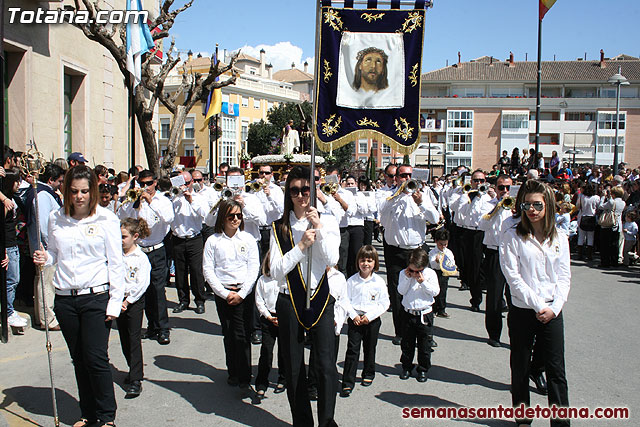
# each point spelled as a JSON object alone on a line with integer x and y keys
{"x": 409, "y": 187}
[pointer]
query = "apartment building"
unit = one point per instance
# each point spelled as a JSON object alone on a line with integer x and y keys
{"x": 477, "y": 109}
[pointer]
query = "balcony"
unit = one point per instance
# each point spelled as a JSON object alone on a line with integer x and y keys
{"x": 557, "y": 126}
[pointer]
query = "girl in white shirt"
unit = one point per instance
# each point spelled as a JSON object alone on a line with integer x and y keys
{"x": 369, "y": 299}
{"x": 535, "y": 261}
{"x": 86, "y": 244}
{"x": 231, "y": 266}
{"x": 137, "y": 277}
{"x": 587, "y": 205}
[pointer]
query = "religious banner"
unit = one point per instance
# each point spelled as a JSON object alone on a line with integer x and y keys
{"x": 368, "y": 77}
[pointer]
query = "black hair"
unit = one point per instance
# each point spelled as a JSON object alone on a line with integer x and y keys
{"x": 298, "y": 172}
{"x": 235, "y": 170}
{"x": 441, "y": 234}
{"x": 51, "y": 173}
{"x": 146, "y": 174}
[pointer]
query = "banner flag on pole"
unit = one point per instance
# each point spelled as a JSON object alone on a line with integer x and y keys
{"x": 214, "y": 101}
{"x": 368, "y": 76}
{"x": 545, "y": 5}
{"x": 139, "y": 42}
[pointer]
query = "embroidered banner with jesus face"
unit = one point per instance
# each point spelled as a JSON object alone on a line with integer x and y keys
{"x": 368, "y": 77}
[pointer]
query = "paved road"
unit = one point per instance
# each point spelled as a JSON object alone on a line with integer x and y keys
{"x": 186, "y": 380}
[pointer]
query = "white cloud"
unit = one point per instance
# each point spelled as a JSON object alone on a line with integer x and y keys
{"x": 281, "y": 55}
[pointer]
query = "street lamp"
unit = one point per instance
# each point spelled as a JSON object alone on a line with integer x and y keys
{"x": 444, "y": 160}
{"x": 574, "y": 152}
{"x": 617, "y": 80}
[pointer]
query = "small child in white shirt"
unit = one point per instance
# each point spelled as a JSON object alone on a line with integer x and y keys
{"x": 369, "y": 299}
{"x": 630, "y": 230}
{"x": 563, "y": 218}
{"x": 442, "y": 254}
{"x": 418, "y": 284}
{"x": 137, "y": 278}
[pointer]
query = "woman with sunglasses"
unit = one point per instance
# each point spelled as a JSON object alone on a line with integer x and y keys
{"x": 299, "y": 230}
{"x": 231, "y": 265}
{"x": 535, "y": 261}
{"x": 86, "y": 244}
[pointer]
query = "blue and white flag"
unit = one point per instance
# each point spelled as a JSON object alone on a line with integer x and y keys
{"x": 139, "y": 42}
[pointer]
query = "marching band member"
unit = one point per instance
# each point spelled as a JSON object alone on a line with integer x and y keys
{"x": 535, "y": 261}
{"x": 231, "y": 265}
{"x": 403, "y": 217}
{"x": 364, "y": 185}
{"x": 492, "y": 224}
{"x": 84, "y": 240}
{"x": 157, "y": 211}
{"x": 353, "y": 239}
{"x": 437, "y": 256}
{"x": 328, "y": 204}
{"x": 189, "y": 210}
{"x": 455, "y": 226}
{"x": 290, "y": 239}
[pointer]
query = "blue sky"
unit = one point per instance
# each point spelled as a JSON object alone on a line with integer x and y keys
{"x": 286, "y": 29}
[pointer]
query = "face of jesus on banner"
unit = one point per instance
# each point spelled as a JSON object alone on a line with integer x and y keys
{"x": 371, "y": 70}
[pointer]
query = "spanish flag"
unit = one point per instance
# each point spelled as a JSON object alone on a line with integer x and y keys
{"x": 214, "y": 102}
{"x": 545, "y": 5}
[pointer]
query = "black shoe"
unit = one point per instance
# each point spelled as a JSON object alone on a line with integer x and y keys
{"x": 366, "y": 382}
{"x": 540, "y": 382}
{"x": 346, "y": 392}
{"x": 280, "y": 387}
{"x": 422, "y": 377}
{"x": 150, "y": 335}
{"x": 200, "y": 309}
{"x": 180, "y": 307}
{"x": 405, "y": 374}
{"x": 494, "y": 343}
{"x": 475, "y": 308}
{"x": 443, "y": 314}
{"x": 260, "y": 392}
{"x": 134, "y": 390}
{"x": 433, "y": 343}
{"x": 256, "y": 337}
{"x": 313, "y": 394}
{"x": 163, "y": 338}
{"x": 232, "y": 381}
{"x": 396, "y": 340}
{"x": 464, "y": 287}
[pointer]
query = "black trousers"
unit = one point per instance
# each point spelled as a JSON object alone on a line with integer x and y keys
{"x": 312, "y": 371}
{"x": 351, "y": 240}
{"x": 155, "y": 298}
{"x": 291, "y": 337}
{"x": 235, "y": 321}
{"x": 440, "y": 303}
{"x": 472, "y": 255}
{"x": 187, "y": 255}
{"x": 130, "y": 329}
{"x": 496, "y": 284}
{"x": 269, "y": 336}
{"x": 368, "y": 336}
{"x": 609, "y": 247}
{"x": 455, "y": 245}
{"x": 415, "y": 332}
{"x": 368, "y": 232}
{"x": 82, "y": 321}
{"x": 524, "y": 328}
{"x": 396, "y": 259}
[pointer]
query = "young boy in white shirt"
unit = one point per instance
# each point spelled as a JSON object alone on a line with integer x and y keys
{"x": 441, "y": 254}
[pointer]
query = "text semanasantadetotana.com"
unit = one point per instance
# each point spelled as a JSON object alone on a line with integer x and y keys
{"x": 519, "y": 412}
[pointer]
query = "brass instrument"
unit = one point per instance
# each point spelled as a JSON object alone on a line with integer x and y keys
{"x": 483, "y": 188}
{"x": 466, "y": 188}
{"x": 459, "y": 181}
{"x": 219, "y": 184}
{"x": 508, "y": 203}
{"x": 176, "y": 192}
{"x": 133, "y": 194}
{"x": 255, "y": 185}
{"x": 412, "y": 186}
{"x": 196, "y": 187}
{"x": 330, "y": 188}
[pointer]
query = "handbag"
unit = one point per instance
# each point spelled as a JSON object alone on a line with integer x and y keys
{"x": 588, "y": 223}
{"x": 607, "y": 219}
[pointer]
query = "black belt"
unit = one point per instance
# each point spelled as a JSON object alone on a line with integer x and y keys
{"x": 265, "y": 227}
{"x": 188, "y": 237}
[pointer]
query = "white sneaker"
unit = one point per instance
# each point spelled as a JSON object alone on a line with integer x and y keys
{"x": 17, "y": 321}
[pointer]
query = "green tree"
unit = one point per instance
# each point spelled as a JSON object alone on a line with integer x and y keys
{"x": 259, "y": 138}
{"x": 261, "y": 133}
{"x": 341, "y": 156}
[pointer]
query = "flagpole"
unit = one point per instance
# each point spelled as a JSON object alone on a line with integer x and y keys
{"x": 133, "y": 125}
{"x": 4, "y": 333}
{"x": 539, "y": 85}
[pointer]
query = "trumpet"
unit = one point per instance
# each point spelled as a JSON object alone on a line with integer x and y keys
{"x": 330, "y": 188}
{"x": 133, "y": 194}
{"x": 466, "y": 188}
{"x": 227, "y": 193}
{"x": 483, "y": 188}
{"x": 412, "y": 186}
{"x": 176, "y": 192}
{"x": 459, "y": 181}
{"x": 219, "y": 184}
{"x": 508, "y": 203}
{"x": 255, "y": 185}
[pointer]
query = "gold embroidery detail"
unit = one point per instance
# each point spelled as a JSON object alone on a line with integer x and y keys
{"x": 332, "y": 18}
{"x": 329, "y": 127}
{"x": 404, "y": 131}
{"x": 327, "y": 71}
{"x": 413, "y": 22}
{"x": 367, "y": 122}
{"x": 370, "y": 17}
{"x": 413, "y": 76}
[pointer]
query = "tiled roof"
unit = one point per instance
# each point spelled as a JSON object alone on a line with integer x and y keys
{"x": 245, "y": 57}
{"x": 292, "y": 75}
{"x": 561, "y": 71}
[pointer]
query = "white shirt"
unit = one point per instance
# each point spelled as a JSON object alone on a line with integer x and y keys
{"x": 267, "y": 291}
{"x": 538, "y": 274}
{"x": 372, "y": 207}
{"x": 229, "y": 261}
{"x": 188, "y": 217}
{"x": 382, "y": 193}
{"x": 325, "y": 251}
{"x": 362, "y": 209}
{"x": 418, "y": 296}
{"x": 158, "y": 215}
{"x": 352, "y": 207}
{"x": 338, "y": 290}
{"x": 369, "y": 296}
{"x": 88, "y": 253}
{"x": 331, "y": 207}
{"x": 470, "y": 211}
{"x": 252, "y": 213}
{"x": 433, "y": 254}
{"x": 137, "y": 274}
{"x": 587, "y": 205}
{"x": 493, "y": 227}
{"x": 405, "y": 221}
{"x": 210, "y": 195}
{"x": 273, "y": 205}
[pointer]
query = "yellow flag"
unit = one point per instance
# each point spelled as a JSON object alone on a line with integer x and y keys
{"x": 545, "y": 5}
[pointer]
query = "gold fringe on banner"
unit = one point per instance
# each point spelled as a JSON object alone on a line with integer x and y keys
{"x": 367, "y": 133}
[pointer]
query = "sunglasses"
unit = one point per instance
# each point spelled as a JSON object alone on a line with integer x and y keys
{"x": 390, "y": 175}
{"x": 538, "y": 206}
{"x": 187, "y": 182}
{"x": 411, "y": 270}
{"x": 145, "y": 183}
{"x": 264, "y": 173}
{"x": 404, "y": 175}
{"x": 504, "y": 187}
{"x": 198, "y": 180}
{"x": 479, "y": 180}
{"x": 233, "y": 216}
{"x": 316, "y": 178}
{"x": 296, "y": 191}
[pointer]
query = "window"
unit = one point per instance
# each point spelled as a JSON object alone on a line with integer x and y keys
{"x": 506, "y": 92}
{"x": 605, "y": 144}
{"x": 454, "y": 162}
{"x": 579, "y": 117}
{"x": 374, "y": 145}
{"x": 459, "y": 141}
{"x": 607, "y": 93}
{"x": 165, "y": 128}
{"x": 245, "y": 101}
{"x": 515, "y": 120}
{"x": 581, "y": 92}
{"x": 256, "y": 104}
{"x": 468, "y": 92}
{"x": 189, "y": 128}
{"x": 68, "y": 124}
{"x": 244, "y": 131}
{"x": 362, "y": 146}
{"x": 628, "y": 92}
{"x": 386, "y": 161}
{"x": 386, "y": 149}
{"x": 608, "y": 120}
{"x": 228, "y": 142}
{"x": 225, "y": 97}
{"x": 189, "y": 151}
{"x": 460, "y": 119}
